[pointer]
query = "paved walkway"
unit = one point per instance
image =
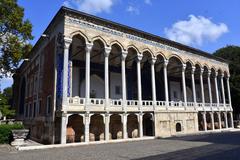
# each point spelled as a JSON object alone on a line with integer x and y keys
{"x": 217, "y": 146}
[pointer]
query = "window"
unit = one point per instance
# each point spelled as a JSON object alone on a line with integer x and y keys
{"x": 26, "y": 111}
{"x": 34, "y": 109}
{"x": 178, "y": 127}
{"x": 30, "y": 111}
{"x": 49, "y": 104}
{"x": 39, "y": 106}
{"x": 118, "y": 90}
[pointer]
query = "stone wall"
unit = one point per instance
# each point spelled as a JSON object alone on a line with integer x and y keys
{"x": 166, "y": 123}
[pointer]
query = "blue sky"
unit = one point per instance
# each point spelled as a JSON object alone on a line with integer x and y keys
{"x": 203, "y": 24}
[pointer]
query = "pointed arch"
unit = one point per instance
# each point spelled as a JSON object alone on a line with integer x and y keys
{"x": 191, "y": 62}
{"x": 198, "y": 64}
{"x": 149, "y": 51}
{"x": 115, "y": 42}
{"x": 213, "y": 69}
{"x": 177, "y": 57}
{"x": 101, "y": 40}
{"x": 134, "y": 48}
{"x": 81, "y": 34}
{"x": 207, "y": 66}
{"x": 161, "y": 54}
{"x": 220, "y": 71}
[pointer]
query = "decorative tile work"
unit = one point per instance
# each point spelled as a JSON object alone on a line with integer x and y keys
{"x": 59, "y": 76}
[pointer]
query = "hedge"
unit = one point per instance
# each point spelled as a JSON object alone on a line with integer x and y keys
{"x": 6, "y": 133}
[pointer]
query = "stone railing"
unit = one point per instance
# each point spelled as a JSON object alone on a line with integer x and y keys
{"x": 78, "y": 101}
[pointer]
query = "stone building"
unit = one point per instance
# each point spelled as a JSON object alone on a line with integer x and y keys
{"x": 90, "y": 79}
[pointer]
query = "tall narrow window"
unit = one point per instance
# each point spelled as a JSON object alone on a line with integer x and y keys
{"x": 49, "y": 104}
{"x": 39, "y": 107}
{"x": 34, "y": 109}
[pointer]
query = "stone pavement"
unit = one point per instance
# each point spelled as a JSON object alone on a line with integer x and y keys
{"x": 217, "y": 146}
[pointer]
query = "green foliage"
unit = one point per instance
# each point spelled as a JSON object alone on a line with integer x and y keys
{"x": 232, "y": 55}
{"x": 7, "y": 111}
{"x": 5, "y": 132}
{"x": 5, "y": 103}
{"x": 15, "y": 32}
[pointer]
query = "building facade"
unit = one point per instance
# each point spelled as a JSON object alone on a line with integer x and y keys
{"x": 90, "y": 79}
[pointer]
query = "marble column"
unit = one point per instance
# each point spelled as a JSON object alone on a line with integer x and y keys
{"x": 194, "y": 87}
{"x": 212, "y": 120}
{"x": 124, "y": 89}
{"x": 86, "y": 127}
{"x": 184, "y": 85}
{"x": 216, "y": 88}
{"x": 63, "y": 129}
{"x": 139, "y": 58}
{"x": 166, "y": 82}
{"x": 232, "y": 123}
{"x": 229, "y": 93}
{"x": 226, "y": 119}
{"x": 223, "y": 90}
{"x": 87, "y": 74}
{"x": 202, "y": 86}
{"x": 124, "y": 122}
{"x": 106, "y": 76}
{"x": 153, "y": 81}
{"x": 204, "y": 121}
{"x": 67, "y": 42}
{"x": 219, "y": 120}
{"x": 140, "y": 124}
{"x": 209, "y": 87}
{"x": 107, "y": 121}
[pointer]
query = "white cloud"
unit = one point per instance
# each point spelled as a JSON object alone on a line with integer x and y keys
{"x": 90, "y": 6}
{"x": 149, "y": 2}
{"x": 5, "y": 82}
{"x": 133, "y": 10}
{"x": 196, "y": 30}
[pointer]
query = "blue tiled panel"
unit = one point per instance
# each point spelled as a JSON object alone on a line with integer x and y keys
{"x": 69, "y": 80}
{"x": 59, "y": 76}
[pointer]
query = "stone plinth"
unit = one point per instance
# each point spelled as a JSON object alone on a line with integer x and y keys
{"x": 19, "y": 135}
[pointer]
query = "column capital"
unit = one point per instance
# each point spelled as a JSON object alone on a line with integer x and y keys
{"x": 201, "y": 71}
{"x": 124, "y": 55}
{"x": 165, "y": 62}
{"x": 209, "y": 73}
{"x": 139, "y": 57}
{"x": 153, "y": 60}
{"x": 89, "y": 47}
{"x": 193, "y": 69}
{"x": 222, "y": 75}
{"x": 107, "y": 51}
{"x": 67, "y": 42}
{"x": 184, "y": 66}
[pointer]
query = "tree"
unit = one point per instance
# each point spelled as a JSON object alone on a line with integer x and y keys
{"x": 232, "y": 55}
{"x": 15, "y": 32}
{"x": 6, "y": 102}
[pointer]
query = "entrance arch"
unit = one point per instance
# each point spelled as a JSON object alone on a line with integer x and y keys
{"x": 115, "y": 127}
{"x": 96, "y": 128}
{"x": 216, "y": 120}
{"x": 75, "y": 129}
{"x": 200, "y": 122}
{"x": 132, "y": 126}
{"x": 148, "y": 124}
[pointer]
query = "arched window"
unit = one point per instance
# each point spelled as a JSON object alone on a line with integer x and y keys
{"x": 178, "y": 127}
